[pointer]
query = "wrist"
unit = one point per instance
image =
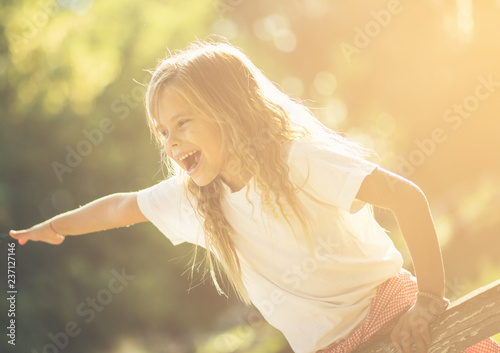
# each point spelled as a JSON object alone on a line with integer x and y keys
{"x": 51, "y": 226}
{"x": 435, "y": 303}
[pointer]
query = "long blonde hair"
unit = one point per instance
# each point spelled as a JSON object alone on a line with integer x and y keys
{"x": 256, "y": 120}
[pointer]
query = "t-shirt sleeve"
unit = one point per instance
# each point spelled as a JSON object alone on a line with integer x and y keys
{"x": 167, "y": 207}
{"x": 328, "y": 175}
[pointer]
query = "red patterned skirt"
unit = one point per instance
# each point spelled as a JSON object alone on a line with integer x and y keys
{"x": 393, "y": 298}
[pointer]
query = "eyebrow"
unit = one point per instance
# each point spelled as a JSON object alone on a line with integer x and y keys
{"x": 173, "y": 118}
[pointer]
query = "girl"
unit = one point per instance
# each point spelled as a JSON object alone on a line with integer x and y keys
{"x": 278, "y": 202}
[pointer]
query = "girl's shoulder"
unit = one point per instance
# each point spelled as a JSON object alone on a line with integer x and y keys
{"x": 335, "y": 147}
{"x": 305, "y": 156}
{"x": 307, "y": 148}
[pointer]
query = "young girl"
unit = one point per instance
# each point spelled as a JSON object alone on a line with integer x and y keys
{"x": 278, "y": 202}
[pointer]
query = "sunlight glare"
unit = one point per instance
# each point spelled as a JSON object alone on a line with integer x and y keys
{"x": 465, "y": 20}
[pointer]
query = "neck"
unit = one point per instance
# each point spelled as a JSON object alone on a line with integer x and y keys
{"x": 235, "y": 182}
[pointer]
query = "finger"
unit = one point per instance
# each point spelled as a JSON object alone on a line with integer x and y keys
{"x": 426, "y": 334}
{"x": 405, "y": 337}
{"x": 59, "y": 239}
{"x": 398, "y": 346}
{"x": 420, "y": 328}
{"x": 19, "y": 235}
{"x": 419, "y": 323}
{"x": 54, "y": 239}
{"x": 417, "y": 337}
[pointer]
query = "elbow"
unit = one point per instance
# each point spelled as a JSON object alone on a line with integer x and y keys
{"x": 391, "y": 191}
{"x": 407, "y": 196}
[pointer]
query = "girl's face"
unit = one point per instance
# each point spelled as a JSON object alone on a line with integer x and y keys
{"x": 192, "y": 142}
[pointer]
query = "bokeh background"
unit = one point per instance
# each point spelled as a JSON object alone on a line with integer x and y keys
{"x": 417, "y": 82}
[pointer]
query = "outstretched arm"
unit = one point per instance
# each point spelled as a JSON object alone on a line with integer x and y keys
{"x": 113, "y": 211}
{"x": 409, "y": 205}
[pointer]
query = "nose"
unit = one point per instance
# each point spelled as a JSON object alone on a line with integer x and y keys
{"x": 172, "y": 140}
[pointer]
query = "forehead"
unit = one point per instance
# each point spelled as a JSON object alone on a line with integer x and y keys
{"x": 170, "y": 107}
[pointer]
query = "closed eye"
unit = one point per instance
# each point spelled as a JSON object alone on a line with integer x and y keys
{"x": 164, "y": 133}
{"x": 183, "y": 122}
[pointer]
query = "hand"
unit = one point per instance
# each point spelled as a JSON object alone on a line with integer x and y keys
{"x": 413, "y": 326}
{"x": 40, "y": 232}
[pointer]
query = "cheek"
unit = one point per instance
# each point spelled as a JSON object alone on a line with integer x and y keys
{"x": 216, "y": 143}
{"x": 167, "y": 151}
{"x": 216, "y": 152}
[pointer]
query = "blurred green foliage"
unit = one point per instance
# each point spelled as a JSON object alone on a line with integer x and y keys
{"x": 72, "y": 129}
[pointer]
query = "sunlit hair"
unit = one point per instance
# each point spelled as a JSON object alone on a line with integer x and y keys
{"x": 257, "y": 123}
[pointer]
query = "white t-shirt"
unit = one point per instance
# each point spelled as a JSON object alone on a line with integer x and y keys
{"x": 313, "y": 298}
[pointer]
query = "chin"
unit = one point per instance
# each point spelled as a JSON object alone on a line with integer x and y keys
{"x": 202, "y": 181}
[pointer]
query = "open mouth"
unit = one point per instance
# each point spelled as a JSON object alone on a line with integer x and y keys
{"x": 191, "y": 160}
